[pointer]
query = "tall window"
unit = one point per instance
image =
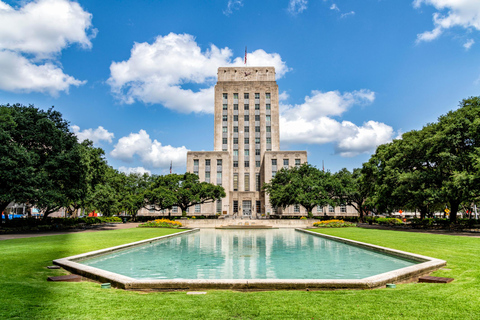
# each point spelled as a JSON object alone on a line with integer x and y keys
{"x": 257, "y": 95}
{"x": 247, "y": 152}
{"x": 268, "y": 118}
{"x": 245, "y": 96}
{"x": 297, "y": 162}
{"x": 269, "y": 129}
{"x": 235, "y": 164}
{"x": 225, "y": 106}
{"x": 207, "y": 164}
{"x": 267, "y": 95}
{"x": 247, "y": 164}
{"x": 219, "y": 206}
{"x": 246, "y": 117}
{"x": 224, "y": 117}
{"x": 246, "y": 140}
{"x": 257, "y": 117}
{"x": 257, "y": 164}
{"x": 257, "y": 140}
{"x": 257, "y": 106}
{"x": 245, "y": 106}
{"x": 343, "y": 208}
{"x": 257, "y": 182}
{"x": 267, "y": 106}
{"x": 235, "y": 129}
{"x": 235, "y": 118}
{"x": 258, "y": 206}
{"x": 207, "y": 176}
{"x": 235, "y": 96}
{"x": 175, "y": 209}
{"x": 331, "y": 209}
{"x": 247, "y": 182}
{"x": 257, "y": 129}
{"x": 257, "y": 152}
{"x": 235, "y": 206}
{"x": 235, "y": 106}
{"x": 224, "y": 140}
{"x": 225, "y": 96}
{"x": 319, "y": 209}
{"x": 246, "y": 129}
{"x": 285, "y": 163}
{"x": 195, "y": 162}
{"x": 274, "y": 162}
{"x": 224, "y": 129}
{"x": 235, "y": 182}
{"x": 235, "y": 140}
{"x": 197, "y": 208}
{"x": 219, "y": 162}
{"x": 296, "y": 208}
{"x": 269, "y": 140}
{"x": 219, "y": 178}
{"x": 235, "y": 152}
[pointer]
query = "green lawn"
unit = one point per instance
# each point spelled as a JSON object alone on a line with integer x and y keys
{"x": 25, "y": 293}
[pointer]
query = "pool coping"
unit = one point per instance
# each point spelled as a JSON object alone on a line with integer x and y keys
{"x": 407, "y": 274}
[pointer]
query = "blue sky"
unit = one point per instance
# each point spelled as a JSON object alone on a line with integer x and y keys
{"x": 136, "y": 76}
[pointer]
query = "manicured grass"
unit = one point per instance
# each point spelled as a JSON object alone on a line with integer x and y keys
{"x": 25, "y": 293}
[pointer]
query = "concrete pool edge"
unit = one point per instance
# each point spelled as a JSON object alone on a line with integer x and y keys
{"x": 408, "y": 274}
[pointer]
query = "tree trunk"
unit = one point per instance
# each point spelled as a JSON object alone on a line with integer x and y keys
{"x": 423, "y": 212}
{"x": 454, "y": 205}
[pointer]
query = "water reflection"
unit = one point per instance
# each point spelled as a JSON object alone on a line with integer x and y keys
{"x": 247, "y": 254}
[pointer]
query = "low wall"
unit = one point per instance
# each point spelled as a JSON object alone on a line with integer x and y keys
{"x": 274, "y": 223}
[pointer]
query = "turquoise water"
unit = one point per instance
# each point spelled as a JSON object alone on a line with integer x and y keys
{"x": 247, "y": 254}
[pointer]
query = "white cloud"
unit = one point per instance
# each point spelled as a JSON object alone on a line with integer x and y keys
{"x": 334, "y": 7}
{"x": 311, "y": 122}
{"x": 31, "y": 39}
{"x": 97, "y": 135}
{"x": 155, "y": 73}
{"x": 452, "y": 13}
{"x": 129, "y": 170}
{"x": 151, "y": 153}
{"x": 344, "y": 15}
{"x": 283, "y": 96}
{"x": 297, "y": 6}
{"x": 19, "y": 74}
{"x": 232, "y": 5}
{"x": 467, "y": 45}
{"x": 44, "y": 27}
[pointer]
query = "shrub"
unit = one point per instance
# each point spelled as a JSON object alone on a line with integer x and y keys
{"x": 333, "y": 224}
{"x": 303, "y": 218}
{"x": 160, "y": 223}
{"x": 389, "y": 221}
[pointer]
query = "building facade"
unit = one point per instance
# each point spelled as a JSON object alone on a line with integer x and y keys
{"x": 246, "y": 143}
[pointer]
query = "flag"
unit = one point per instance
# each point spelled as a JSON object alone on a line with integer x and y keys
{"x": 245, "y": 54}
{"x": 170, "y": 166}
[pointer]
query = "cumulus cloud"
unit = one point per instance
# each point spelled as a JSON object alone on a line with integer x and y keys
{"x": 297, "y": 6}
{"x": 31, "y": 39}
{"x": 158, "y": 72}
{"x": 129, "y": 170}
{"x": 232, "y": 5}
{"x": 312, "y": 122}
{"x": 452, "y": 13}
{"x": 151, "y": 153}
{"x": 19, "y": 74}
{"x": 97, "y": 135}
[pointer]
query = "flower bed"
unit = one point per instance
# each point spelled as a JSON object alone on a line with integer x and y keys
{"x": 333, "y": 224}
{"x": 160, "y": 223}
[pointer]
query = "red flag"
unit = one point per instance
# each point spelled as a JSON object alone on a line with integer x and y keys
{"x": 245, "y": 54}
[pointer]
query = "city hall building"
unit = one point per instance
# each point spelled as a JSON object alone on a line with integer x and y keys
{"x": 246, "y": 144}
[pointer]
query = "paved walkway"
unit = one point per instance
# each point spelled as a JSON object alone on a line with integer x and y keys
{"x": 108, "y": 226}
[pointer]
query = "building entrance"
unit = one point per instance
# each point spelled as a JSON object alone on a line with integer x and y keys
{"x": 247, "y": 207}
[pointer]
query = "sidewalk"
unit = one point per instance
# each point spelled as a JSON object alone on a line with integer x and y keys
{"x": 107, "y": 226}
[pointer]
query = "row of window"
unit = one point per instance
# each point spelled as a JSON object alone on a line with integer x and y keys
{"x": 343, "y": 209}
{"x": 246, "y": 96}
{"x": 246, "y": 117}
{"x": 246, "y": 129}
{"x": 247, "y": 106}
{"x": 246, "y": 141}
{"x": 246, "y": 182}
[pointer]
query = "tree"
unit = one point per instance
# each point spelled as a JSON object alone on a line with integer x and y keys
{"x": 41, "y": 162}
{"x": 304, "y": 185}
{"x": 353, "y": 189}
{"x": 134, "y": 197}
{"x": 183, "y": 191}
{"x": 107, "y": 197}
